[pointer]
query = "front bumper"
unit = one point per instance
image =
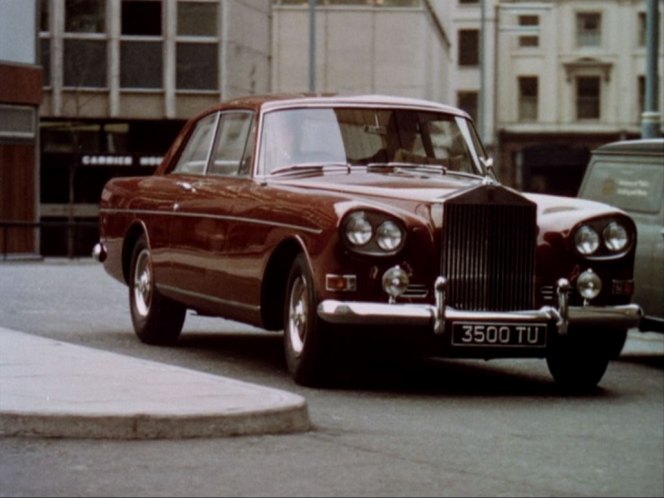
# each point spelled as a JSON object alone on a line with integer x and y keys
{"x": 436, "y": 316}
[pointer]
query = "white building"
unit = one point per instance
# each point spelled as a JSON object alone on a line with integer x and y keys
{"x": 397, "y": 47}
{"x": 545, "y": 80}
{"x": 570, "y": 76}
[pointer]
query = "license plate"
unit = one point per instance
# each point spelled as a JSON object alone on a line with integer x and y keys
{"x": 499, "y": 334}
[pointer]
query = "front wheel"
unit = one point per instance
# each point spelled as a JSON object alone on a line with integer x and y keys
{"x": 578, "y": 360}
{"x": 156, "y": 319}
{"x": 306, "y": 343}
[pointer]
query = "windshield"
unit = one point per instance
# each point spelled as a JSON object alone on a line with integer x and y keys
{"x": 353, "y": 136}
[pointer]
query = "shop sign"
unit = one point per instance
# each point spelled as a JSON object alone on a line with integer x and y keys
{"x": 119, "y": 160}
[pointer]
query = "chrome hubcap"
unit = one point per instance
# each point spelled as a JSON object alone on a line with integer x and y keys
{"x": 143, "y": 283}
{"x": 297, "y": 316}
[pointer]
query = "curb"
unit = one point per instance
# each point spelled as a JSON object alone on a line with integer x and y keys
{"x": 54, "y": 389}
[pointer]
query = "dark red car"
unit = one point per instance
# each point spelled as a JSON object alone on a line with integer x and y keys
{"x": 339, "y": 218}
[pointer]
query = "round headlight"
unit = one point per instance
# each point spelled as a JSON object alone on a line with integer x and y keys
{"x": 586, "y": 240}
{"x": 615, "y": 237}
{"x": 388, "y": 236}
{"x": 589, "y": 284}
{"x": 358, "y": 229}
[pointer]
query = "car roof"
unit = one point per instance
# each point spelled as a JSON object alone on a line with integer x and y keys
{"x": 648, "y": 146}
{"x": 271, "y": 102}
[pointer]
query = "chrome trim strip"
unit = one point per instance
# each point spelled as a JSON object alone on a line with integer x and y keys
{"x": 364, "y": 313}
{"x": 206, "y": 297}
{"x": 316, "y": 231}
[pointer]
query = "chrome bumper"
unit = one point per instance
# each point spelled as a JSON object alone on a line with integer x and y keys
{"x": 435, "y": 316}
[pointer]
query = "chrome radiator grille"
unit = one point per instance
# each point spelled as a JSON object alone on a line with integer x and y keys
{"x": 488, "y": 255}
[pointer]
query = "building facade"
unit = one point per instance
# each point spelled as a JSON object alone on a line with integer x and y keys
{"x": 396, "y": 47}
{"x": 20, "y": 97}
{"x": 570, "y": 77}
{"x": 120, "y": 79}
{"x": 545, "y": 80}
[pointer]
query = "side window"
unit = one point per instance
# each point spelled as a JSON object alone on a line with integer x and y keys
{"x": 232, "y": 141}
{"x": 628, "y": 185}
{"x": 195, "y": 154}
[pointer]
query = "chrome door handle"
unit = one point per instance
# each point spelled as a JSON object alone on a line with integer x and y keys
{"x": 186, "y": 186}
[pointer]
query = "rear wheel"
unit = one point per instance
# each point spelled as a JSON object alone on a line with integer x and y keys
{"x": 306, "y": 343}
{"x": 156, "y": 318}
{"x": 577, "y": 361}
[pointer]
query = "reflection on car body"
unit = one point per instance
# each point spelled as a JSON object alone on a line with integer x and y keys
{"x": 630, "y": 175}
{"x": 336, "y": 217}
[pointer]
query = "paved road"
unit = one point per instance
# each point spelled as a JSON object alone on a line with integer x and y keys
{"x": 440, "y": 428}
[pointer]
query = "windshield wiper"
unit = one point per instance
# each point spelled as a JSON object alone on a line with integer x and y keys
{"x": 289, "y": 168}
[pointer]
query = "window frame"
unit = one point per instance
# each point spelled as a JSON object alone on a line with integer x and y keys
{"x": 464, "y": 59}
{"x": 581, "y": 101}
{"x": 583, "y": 34}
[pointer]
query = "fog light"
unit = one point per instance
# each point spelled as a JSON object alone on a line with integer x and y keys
{"x": 395, "y": 282}
{"x": 589, "y": 285}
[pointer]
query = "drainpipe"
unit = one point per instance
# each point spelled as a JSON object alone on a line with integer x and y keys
{"x": 650, "y": 118}
{"x": 312, "y": 45}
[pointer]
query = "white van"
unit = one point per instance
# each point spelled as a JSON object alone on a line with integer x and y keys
{"x": 630, "y": 175}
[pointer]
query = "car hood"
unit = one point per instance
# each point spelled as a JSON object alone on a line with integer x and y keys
{"x": 387, "y": 187}
{"x": 409, "y": 187}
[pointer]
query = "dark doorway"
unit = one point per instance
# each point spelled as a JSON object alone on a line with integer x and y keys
{"x": 554, "y": 168}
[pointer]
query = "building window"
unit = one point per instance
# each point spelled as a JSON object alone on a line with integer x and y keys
{"x": 528, "y": 93}
{"x": 45, "y": 59}
{"x": 469, "y": 102}
{"x": 85, "y": 16}
{"x": 530, "y": 23}
{"x": 142, "y": 64}
{"x": 197, "y": 19}
{"x": 84, "y": 63}
{"x": 588, "y": 29}
{"x": 469, "y": 47}
{"x": 141, "y": 17}
{"x": 196, "y": 66}
{"x": 588, "y": 97}
{"x": 44, "y": 13}
{"x": 641, "y": 96}
{"x": 642, "y": 29}
{"x": 141, "y": 47}
{"x": 464, "y": 2}
{"x": 17, "y": 121}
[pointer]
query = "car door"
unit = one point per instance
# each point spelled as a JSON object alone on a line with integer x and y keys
{"x": 204, "y": 212}
{"x": 186, "y": 227}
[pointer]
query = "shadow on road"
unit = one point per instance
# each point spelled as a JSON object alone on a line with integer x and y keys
{"x": 258, "y": 357}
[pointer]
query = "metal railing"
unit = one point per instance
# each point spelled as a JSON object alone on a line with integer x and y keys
{"x": 54, "y": 238}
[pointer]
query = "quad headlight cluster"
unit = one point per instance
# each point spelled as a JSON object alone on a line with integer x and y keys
{"x": 603, "y": 238}
{"x": 372, "y": 232}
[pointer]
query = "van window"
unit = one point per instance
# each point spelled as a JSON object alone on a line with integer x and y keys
{"x": 627, "y": 185}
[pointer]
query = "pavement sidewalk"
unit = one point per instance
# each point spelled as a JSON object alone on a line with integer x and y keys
{"x": 54, "y": 389}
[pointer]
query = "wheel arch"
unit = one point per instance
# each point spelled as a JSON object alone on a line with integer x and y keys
{"x": 133, "y": 233}
{"x": 273, "y": 289}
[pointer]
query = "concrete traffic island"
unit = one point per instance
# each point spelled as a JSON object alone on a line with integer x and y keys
{"x": 54, "y": 389}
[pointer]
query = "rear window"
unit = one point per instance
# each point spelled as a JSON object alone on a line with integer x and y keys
{"x": 625, "y": 184}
